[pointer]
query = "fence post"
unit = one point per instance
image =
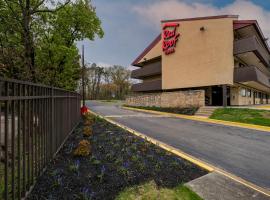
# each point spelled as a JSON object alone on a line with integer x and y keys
{"x": 33, "y": 120}
{"x": 52, "y": 122}
{"x": 6, "y": 139}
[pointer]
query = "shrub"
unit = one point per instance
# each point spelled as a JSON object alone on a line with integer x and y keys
{"x": 87, "y": 131}
{"x": 88, "y": 122}
{"x": 83, "y": 148}
{"x": 89, "y": 117}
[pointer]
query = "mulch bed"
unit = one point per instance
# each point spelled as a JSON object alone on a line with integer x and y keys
{"x": 118, "y": 160}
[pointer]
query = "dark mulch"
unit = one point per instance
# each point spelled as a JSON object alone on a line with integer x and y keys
{"x": 119, "y": 160}
{"x": 176, "y": 110}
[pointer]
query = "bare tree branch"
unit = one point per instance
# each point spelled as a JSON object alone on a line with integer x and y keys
{"x": 37, "y": 6}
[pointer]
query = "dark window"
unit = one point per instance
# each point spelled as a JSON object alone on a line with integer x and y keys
{"x": 241, "y": 65}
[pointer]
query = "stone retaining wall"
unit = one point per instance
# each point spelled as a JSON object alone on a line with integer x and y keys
{"x": 189, "y": 98}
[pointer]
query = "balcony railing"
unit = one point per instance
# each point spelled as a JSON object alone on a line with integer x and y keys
{"x": 249, "y": 74}
{"x": 148, "y": 70}
{"x": 147, "y": 86}
{"x": 251, "y": 44}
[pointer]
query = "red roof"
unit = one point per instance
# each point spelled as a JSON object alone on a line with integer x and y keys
{"x": 242, "y": 23}
{"x": 202, "y": 18}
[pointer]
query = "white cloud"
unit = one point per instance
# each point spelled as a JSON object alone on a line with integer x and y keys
{"x": 130, "y": 67}
{"x": 173, "y": 9}
{"x": 107, "y": 65}
{"x": 103, "y": 64}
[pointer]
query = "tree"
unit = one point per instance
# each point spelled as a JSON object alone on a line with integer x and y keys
{"x": 120, "y": 77}
{"x": 46, "y": 32}
{"x": 107, "y": 83}
{"x": 21, "y": 16}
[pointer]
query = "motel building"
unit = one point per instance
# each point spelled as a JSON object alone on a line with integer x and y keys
{"x": 206, "y": 61}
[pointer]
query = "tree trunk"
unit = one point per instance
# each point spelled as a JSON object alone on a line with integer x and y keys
{"x": 28, "y": 43}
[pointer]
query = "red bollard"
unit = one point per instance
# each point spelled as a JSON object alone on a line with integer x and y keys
{"x": 84, "y": 110}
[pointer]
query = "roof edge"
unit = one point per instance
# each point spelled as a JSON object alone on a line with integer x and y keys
{"x": 257, "y": 27}
{"x": 146, "y": 50}
{"x": 202, "y": 18}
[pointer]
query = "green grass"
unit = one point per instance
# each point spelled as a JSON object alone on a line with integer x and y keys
{"x": 176, "y": 110}
{"x": 109, "y": 100}
{"x": 248, "y": 116}
{"x": 150, "y": 191}
{"x": 113, "y": 101}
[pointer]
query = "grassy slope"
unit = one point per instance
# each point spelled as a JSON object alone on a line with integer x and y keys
{"x": 149, "y": 191}
{"x": 249, "y": 116}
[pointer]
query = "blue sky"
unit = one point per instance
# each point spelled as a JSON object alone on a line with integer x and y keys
{"x": 130, "y": 25}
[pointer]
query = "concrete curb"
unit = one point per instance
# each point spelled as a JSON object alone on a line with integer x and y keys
{"x": 203, "y": 119}
{"x": 188, "y": 157}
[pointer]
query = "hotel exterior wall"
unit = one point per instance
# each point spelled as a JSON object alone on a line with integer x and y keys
{"x": 238, "y": 100}
{"x": 191, "y": 98}
{"x": 152, "y": 78}
{"x": 153, "y": 53}
{"x": 201, "y": 58}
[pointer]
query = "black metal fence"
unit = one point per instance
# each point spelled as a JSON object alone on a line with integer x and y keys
{"x": 34, "y": 122}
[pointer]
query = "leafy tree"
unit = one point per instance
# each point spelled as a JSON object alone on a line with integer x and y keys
{"x": 107, "y": 83}
{"x": 120, "y": 77}
{"x": 45, "y": 31}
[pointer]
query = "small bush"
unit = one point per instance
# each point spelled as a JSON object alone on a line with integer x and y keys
{"x": 88, "y": 122}
{"x": 87, "y": 131}
{"x": 89, "y": 117}
{"x": 83, "y": 148}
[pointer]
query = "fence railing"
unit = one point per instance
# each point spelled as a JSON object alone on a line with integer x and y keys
{"x": 34, "y": 122}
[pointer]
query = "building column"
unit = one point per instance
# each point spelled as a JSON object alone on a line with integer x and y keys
{"x": 224, "y": 95}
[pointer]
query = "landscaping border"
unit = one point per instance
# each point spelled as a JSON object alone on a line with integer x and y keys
{"x": 101, "y": 161}
{"x": 198, "y": 162}
{"x": 45, "y": 168}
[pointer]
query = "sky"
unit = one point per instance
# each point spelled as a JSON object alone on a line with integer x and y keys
{"x": 130, "y": 25}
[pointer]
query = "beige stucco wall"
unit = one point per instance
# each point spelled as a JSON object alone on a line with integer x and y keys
{"x": 238, "y": 99}
{"x": 191, "y": 98}
{"x": 153, "y": 53}
{"x": 201, "y": 58}
{"x": 234, "y": 96}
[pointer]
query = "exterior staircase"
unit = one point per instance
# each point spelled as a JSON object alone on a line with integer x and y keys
{"x": 205, "y": 111}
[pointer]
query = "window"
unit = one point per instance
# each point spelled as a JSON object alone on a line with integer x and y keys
{"x": 243, "y": 92}
{"x": 248, "y": 93}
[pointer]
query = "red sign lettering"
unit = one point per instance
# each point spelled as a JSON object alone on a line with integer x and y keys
{"x": 170, "y": 37}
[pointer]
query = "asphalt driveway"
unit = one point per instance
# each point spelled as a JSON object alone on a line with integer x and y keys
{"x": 243, "y": 152}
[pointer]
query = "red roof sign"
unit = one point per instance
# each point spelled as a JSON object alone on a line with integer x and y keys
{"x": 170, "y": 37}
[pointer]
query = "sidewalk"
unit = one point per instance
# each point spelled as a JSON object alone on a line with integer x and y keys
{"x": 215, "y": 186}
{"x": 204, "y": 119}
